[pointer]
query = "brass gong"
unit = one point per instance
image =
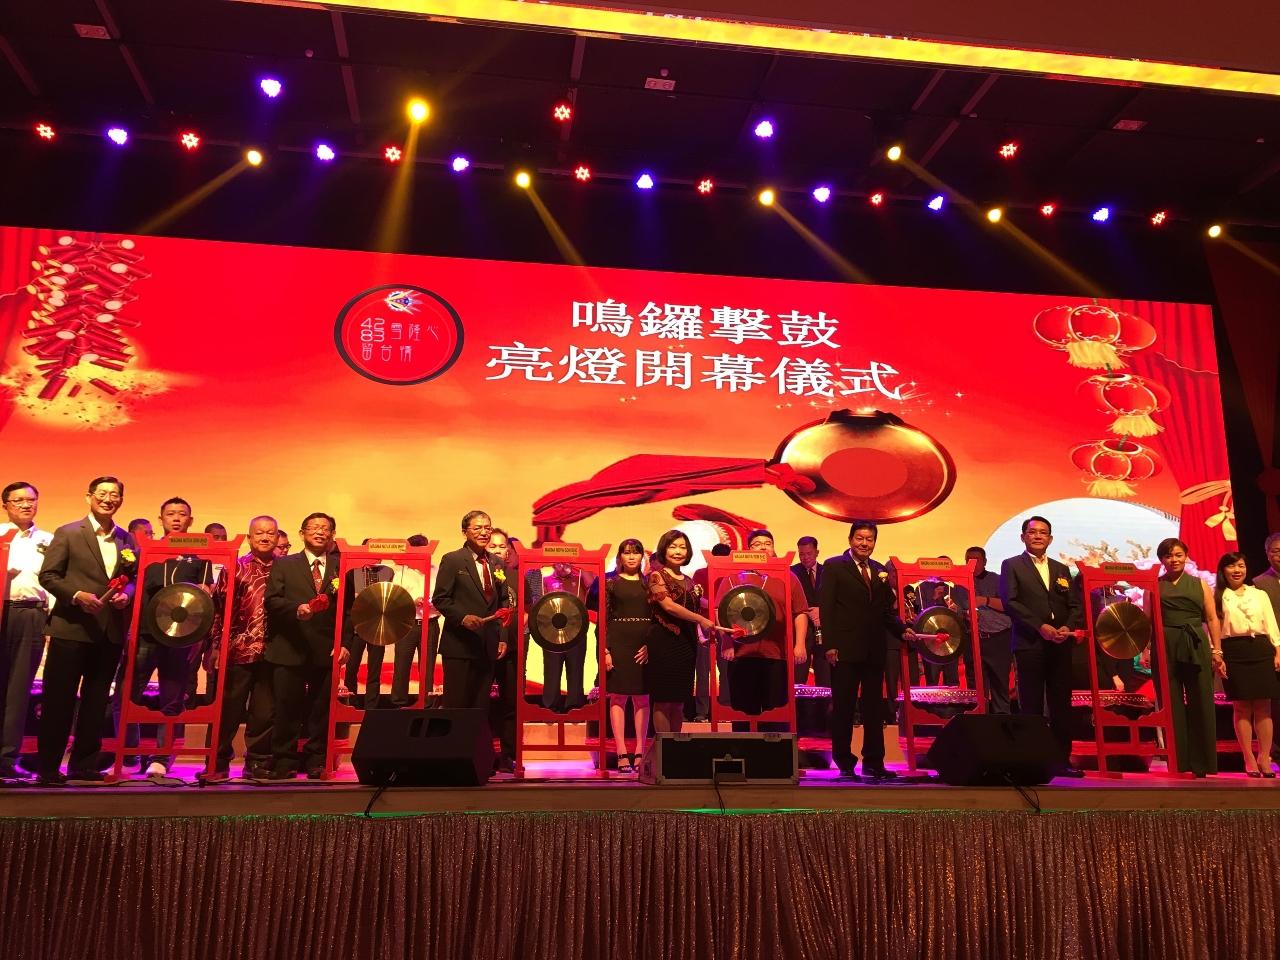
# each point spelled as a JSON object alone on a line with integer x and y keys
{"x": 1123, "y": 630}
{"x": 179, "y": 615}
{"x": 383, "y": 614}
{"x": 746, "y": 607}
{"x": 868, "y": 466}
{"x": 936, "y": 620}
{"x": 558, "y": 621}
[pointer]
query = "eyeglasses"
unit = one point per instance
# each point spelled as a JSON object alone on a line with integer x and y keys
{"x": 480, "y": 529}
{"x": 108, "y": 497}
{"x": 24, "y": 502}
{"x": 315, "y": 530}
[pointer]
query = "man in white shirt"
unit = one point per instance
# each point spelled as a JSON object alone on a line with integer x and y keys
{"x": 26, "y": 607}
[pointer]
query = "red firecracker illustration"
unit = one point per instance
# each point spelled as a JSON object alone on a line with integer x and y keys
{"x": 77, "y": 364}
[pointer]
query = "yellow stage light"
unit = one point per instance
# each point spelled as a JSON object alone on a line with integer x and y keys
{"x": 523, "y": 179}
{"x": 418, "y": 110}
{"x": 766, "y": 197}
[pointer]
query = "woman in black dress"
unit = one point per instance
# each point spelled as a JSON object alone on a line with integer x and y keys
{"x": 627, "y": 614}
{"x": 673, "y": 638}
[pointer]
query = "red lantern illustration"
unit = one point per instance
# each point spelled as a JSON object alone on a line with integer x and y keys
{"x": 1093, "y": 336}
{"x": 1132, "y": 399}
{"x": 1114, "y": 465}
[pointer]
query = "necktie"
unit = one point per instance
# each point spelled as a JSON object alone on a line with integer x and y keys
{"x": 488, "y": 580}
{"x": 316, "y": 574}
{"x": 813, "y": 577}
{"x": 866, "y": 573}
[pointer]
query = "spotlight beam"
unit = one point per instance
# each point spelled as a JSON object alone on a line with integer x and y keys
{"x": 1269, "y": 265}
{"x": 393, "y": 219}
{"x": 1040, "y": 252}
{"x": 828, "y": 253}
{"x": 193, "y": 199}
{"x": 567, "y": 250}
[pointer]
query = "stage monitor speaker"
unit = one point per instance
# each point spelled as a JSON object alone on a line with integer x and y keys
{"x": 706, "y": 758}
{"x": 994, "y": 750}
{"x": 446, "y": 747}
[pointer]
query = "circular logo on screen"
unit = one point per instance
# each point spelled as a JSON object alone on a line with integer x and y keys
{"x": 398, "y": 334}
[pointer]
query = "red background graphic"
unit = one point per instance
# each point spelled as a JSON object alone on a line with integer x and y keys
{"x": 237, "y": 397}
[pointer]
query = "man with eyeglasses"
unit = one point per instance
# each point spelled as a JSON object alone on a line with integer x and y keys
{"x": 471, "y": 593}
{"x": 25, "y": 608}
{"x": 90, "y": 568}
{"x": 300, "y": 634}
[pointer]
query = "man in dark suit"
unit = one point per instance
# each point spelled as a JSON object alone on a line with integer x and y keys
{"x": 300, "y": 637}
{"x": 83, "y": 569}
{"x": 1038, "y": 596}
{"x": 809, "y": 573}
{"x": 857, "y": 614}
{"x": 471, "y": 588}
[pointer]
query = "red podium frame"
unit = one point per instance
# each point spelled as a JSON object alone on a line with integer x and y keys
{"x": 151, "y": 552}
{"x": 719, "y": 569}
{"x": 1161, "y": 718}
{"x": 400, "y": 553}
{"x": 934, "y": 568}
{"x": 591, "y": 561}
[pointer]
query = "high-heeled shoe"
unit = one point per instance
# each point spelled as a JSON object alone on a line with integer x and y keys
{"x": 624, "y": 764}
{"x": 1253, "y": 774}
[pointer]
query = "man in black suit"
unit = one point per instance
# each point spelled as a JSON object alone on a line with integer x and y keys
{"x": 83, "y": 569}
{"x": 809, "y": 574}
{"x": 300, "y": 636}
{"x": 1038, "y": 596}
{"x": 471, "y": 588}
{"x": 857, "y": 614}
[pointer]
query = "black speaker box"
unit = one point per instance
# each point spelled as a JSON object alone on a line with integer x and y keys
{"x": 704, "y": 758}
{"x": 994, "y": 750}
{"x": 446, "y": 747}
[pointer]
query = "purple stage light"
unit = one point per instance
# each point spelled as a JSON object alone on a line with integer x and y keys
{"x": 764, "y": 129}
{"x": 822, "y": 194}
{"x": 459, "y": 164}
{"x": 271, "y": 86}
{"x": 118, "y": 135}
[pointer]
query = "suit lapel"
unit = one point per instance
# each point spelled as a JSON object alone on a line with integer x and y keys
{"x": 1035, "y": 574}
{"x": 91, "y": 539}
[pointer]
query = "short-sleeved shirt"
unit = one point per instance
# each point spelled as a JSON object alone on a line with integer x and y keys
{"x": 987, "y": 584}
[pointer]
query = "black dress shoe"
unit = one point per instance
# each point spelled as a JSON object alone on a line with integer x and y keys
{"x": 315, "y": 773}
{"x": 847, "y": 772}
{"x": 504, "y": 765}
{"x": 1074, "y": 773}
{"x": 51, "y": 779}
{"x": 86, "y": 776}
{"x": 875, "y": 774}
{"x": 275, "y": 774}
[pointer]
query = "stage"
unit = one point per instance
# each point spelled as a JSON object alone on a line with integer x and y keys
{"x": 561, "y": 869}
{"x": 560, "y": 787}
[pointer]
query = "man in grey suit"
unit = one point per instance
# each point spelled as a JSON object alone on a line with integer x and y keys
{"x": 1039, "y": 598}
{"x": 89, "y": 567}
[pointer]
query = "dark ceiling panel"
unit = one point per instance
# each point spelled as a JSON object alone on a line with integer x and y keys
{"x": 1207, "y": 116}
{"x": 52, "y": 18}
{"x": 99, "y": 81}
{"x": 845, "y": 83}
{"x": 180, "y": 80}
{"x": 434, "y": 48}
{"x": 267, "y": 30}
{"x": 1045, "y": 100}
{"x": 696, "y": 70}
